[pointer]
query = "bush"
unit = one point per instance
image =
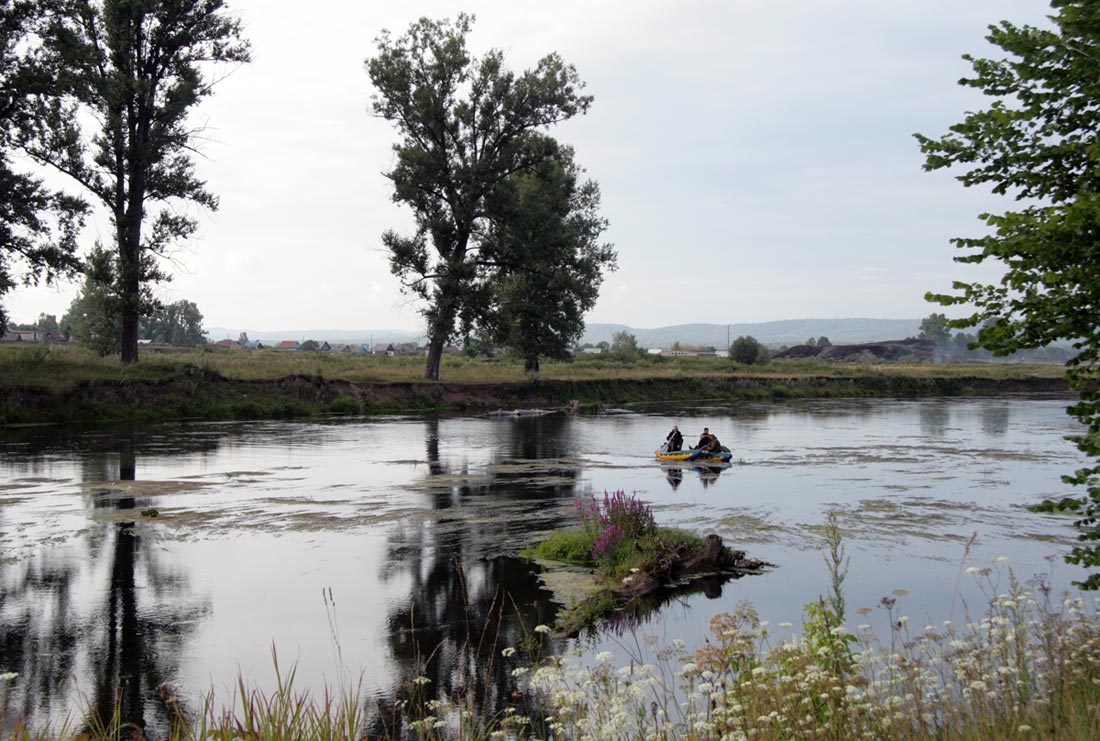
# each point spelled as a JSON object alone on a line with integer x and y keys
{"x": 346, "y": 404}
{"x": 749, "y": 351}
{"x": 614, "y": 525}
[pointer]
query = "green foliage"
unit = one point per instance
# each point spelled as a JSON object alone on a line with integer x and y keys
{"x": 118, "y": 121}
{"x": 571, "y": 547}
{"x": 178, "y": 323}
{"x": 624, "y": 347}
{"x": 934, "y": 327}
{"x": 467, "y": 125}
{"x": 547, "y": 263}
{"x": 38, "y": 226}
{"x": 615, "y": 526}
{"x": 749, "y": 351}
{"x": 309, "y": 346}
{"x": 1037, "y": 142}
{"x": 346, "y": 404}
{"x": 94, "y": 316}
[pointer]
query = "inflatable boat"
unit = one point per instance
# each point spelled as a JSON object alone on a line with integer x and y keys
{"x": 694, "y": 456}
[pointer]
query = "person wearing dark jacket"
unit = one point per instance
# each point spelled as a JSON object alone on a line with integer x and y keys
{"x": 704, "y": 440}
{"x": 674, "y": 440}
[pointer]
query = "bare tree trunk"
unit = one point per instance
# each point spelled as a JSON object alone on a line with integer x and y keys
{"x": 435, "y": 354}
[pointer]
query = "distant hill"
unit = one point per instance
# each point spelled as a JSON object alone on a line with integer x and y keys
{"x": 773, "y": 334}
{"x": 351, "y": 336}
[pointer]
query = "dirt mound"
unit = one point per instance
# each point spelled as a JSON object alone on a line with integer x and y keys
{"x": 892, "y": 351}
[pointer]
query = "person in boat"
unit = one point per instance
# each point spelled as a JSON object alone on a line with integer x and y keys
{"x": 674, "y": 441}
{"x": 712, "y": 446}
{"x": 704, "y": 440}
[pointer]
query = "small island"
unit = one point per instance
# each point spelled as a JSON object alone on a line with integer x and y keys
{"x": 626, "y": 562}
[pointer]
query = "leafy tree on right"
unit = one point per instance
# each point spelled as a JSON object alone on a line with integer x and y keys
{"x": 1038, "y": 141}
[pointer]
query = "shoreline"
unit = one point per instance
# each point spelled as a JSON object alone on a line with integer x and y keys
{"x": 204, "y": 394}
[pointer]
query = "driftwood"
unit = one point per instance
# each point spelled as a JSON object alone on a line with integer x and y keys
{"x": 682, "y": 567}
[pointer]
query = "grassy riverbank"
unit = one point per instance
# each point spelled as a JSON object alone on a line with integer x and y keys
{"x": 40, "y": 385}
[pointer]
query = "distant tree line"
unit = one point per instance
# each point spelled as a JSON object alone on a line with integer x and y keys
{"x": 966, "y": 346}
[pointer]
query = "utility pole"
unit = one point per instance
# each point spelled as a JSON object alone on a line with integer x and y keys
{"x": 727, "y": 337}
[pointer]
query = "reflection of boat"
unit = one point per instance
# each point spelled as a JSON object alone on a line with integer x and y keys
{"x": 694, "y": 456}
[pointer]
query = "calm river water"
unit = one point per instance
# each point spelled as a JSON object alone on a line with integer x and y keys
{"x": 376, "y": 546}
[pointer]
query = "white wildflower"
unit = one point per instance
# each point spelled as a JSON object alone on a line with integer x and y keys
{"x": 542, "y": 629}
{"x": 604, "y": 657}
{"x": 508, "y": 652}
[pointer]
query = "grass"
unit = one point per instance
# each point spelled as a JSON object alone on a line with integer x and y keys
{"x": 61, "y": 367}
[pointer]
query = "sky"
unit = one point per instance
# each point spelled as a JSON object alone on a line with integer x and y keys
{"x": 756, "y": 158}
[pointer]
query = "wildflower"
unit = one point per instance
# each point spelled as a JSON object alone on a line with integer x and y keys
{"x": 542, "y": 629}
{"x": 8, "y": 675}
{"x": 1002, "y": 559}
{"x": 519, "y": 671}
{"x": 510, "y": 651}
{"x": 973, "y": 570}
{"x": 604, "y": 657}
{"x": 421, "y": 680}
{"x": 758, "y": 671}
{"x": 784, "y": 625}
{"x": 689, "y": 668}
{"x": 1024, "y": 729}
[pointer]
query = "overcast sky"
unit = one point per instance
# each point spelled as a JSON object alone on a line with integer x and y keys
{"x": 755, "y": 157}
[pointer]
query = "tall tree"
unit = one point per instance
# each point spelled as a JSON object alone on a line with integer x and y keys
{"x": 1038, "y": 140}
{"x": 546, "y": 260}
{"x": 465, "y": 125}
{"x": 37, "y": 226}
{"x": 131, "y": 72}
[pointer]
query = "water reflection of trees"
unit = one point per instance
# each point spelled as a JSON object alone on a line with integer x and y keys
{"x": 466, "y": 601}
{"x": 125, "y": 639}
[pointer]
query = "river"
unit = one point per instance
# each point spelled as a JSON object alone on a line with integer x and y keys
{"x": 375, "y": 548}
